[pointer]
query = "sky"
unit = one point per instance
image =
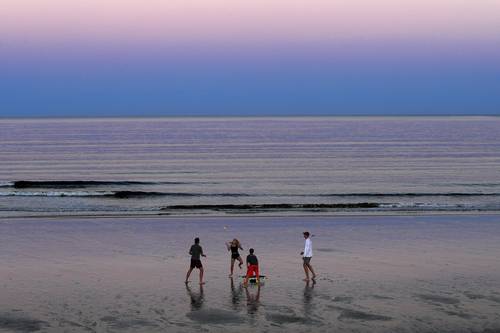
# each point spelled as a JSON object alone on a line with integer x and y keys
{"x": 259, "y": 57}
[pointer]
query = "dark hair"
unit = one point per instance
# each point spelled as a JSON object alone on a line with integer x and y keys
{"x": 196, "y": 240}
{"x": 251, "y": 251}
{"x": 306, "y": 233}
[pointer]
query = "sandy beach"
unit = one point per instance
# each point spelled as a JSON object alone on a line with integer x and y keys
{"x": 379, "y": 273}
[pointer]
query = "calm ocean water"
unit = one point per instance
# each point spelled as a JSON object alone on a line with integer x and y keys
{"x": 220, "y": 166}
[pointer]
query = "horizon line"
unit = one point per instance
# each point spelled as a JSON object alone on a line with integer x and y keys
{"x": 247, "y": 116}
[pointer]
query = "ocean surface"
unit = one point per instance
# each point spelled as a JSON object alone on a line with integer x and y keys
{"x": 240, "y": 166}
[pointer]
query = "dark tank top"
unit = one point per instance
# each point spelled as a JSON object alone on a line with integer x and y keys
{"x": 234, "y": 250}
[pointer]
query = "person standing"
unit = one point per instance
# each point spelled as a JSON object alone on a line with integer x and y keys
{"x": 196, "y": 253}
{"x": 307, "y": 255}
{"x": 234, "y": 246}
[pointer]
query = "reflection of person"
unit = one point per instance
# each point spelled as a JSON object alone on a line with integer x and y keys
{"x": 252, "y": 267}
{"x": 308, "y": 296}
{"x": 253, "y": 300}
{"x": 235, "y": 294}
{"x": 234, "y": 246}
{"x": 307, "y": 256}
{"x": 196, "y": 251}
{"x": 196, "y": 298}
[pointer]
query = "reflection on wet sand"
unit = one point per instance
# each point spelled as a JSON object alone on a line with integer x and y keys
{"x": 308, "y": 298}
{"x": 253, "y": 300}
{"x": 197, "y": 298}
{"x": 85, "y": 276}
{"x": 211, "y": 315}
{"x": 236, "y": 293}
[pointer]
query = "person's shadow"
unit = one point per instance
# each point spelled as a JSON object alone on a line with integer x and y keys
{"x": 197, "y": 299}
{"x": 253, "y": 300}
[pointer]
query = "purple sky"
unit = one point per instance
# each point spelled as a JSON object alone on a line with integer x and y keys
{"x": 221, "y": 57}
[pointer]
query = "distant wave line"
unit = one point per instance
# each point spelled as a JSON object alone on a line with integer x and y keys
{"x": 138, "y": 194}
{"x": 22, "y": 184}
{"x": 411, "y": 194}
{"x": 111, "y": 194}
{"x": 270, "y": 206}
{"x": 125, "y": 194}
{"x": 249, "y": 208}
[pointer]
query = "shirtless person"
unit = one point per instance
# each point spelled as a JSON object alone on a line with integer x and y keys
{"x": 196, "y": 251}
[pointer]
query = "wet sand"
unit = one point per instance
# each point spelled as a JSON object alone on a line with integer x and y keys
{"x": 375, "y": 274}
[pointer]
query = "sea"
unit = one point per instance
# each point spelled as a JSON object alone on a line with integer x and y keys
{"x": 249, "y": 166}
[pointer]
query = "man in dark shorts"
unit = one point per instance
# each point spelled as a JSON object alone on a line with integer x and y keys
{"x": 196, "y": 252}
{"x": 306, "y": 256}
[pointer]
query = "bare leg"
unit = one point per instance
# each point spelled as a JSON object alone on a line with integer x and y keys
{"x": 306, "y": 271}
{"x": 201, "y": 276}
{"x": 312, "y": 271}
{"x": 241, "y": 262}
{"x": 245, "y": 282}
{"x": 188, "y": 273}
{"x": 232, "y": 266}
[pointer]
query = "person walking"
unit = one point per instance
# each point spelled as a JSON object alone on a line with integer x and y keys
{"x": 307, "y": 256}
{"x": 196, "y": 253}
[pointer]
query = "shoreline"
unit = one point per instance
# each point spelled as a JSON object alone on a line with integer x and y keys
{"x": 209, "y": 216}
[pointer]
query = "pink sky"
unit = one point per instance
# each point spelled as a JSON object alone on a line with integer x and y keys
{"x": 129, "y": 57}
{"x": 248, "y": 21}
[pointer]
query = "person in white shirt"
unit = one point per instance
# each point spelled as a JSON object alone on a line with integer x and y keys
{"x": 306, "y": 257}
